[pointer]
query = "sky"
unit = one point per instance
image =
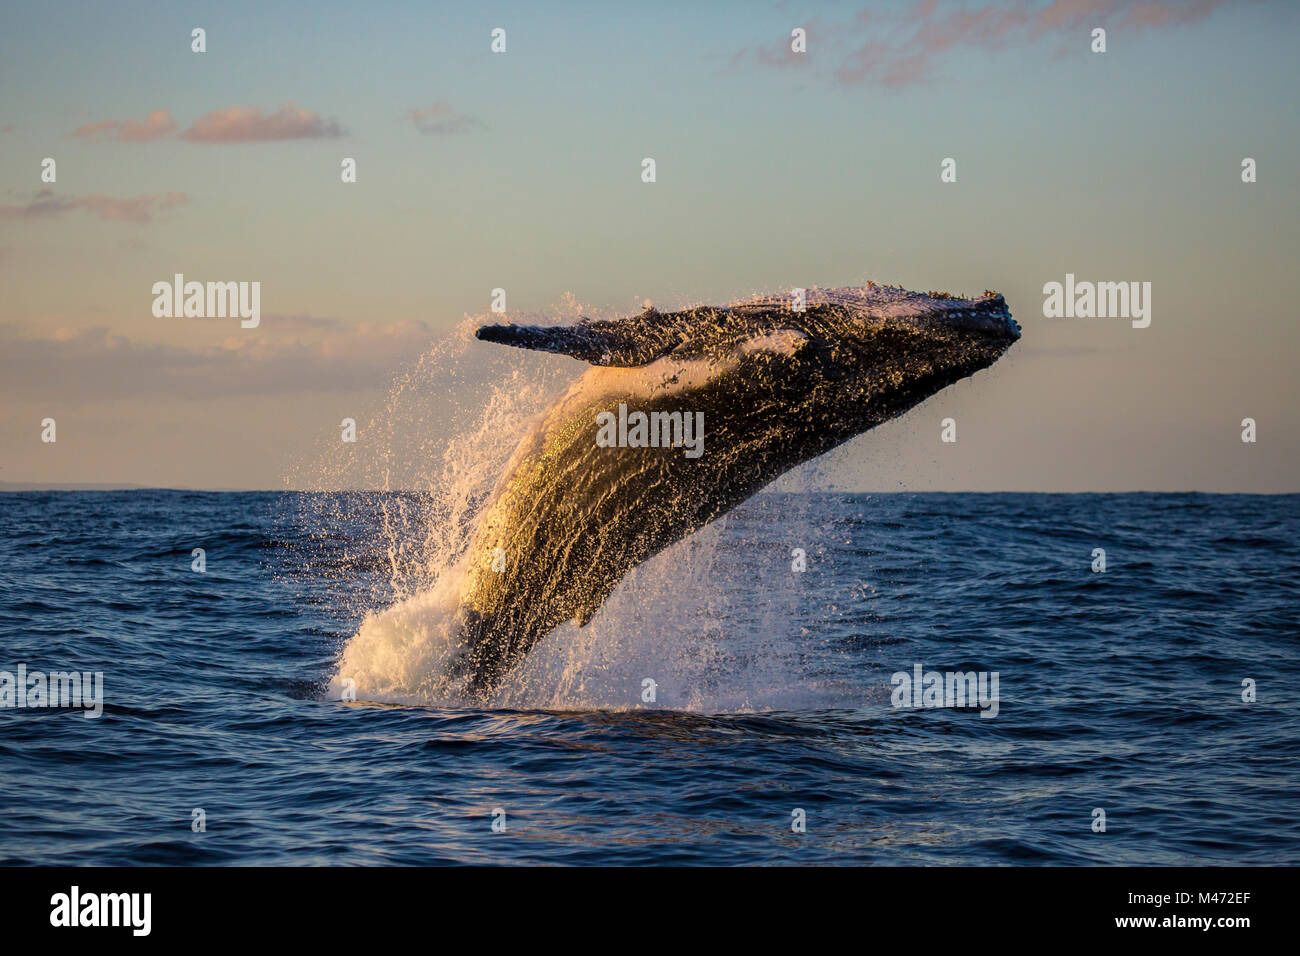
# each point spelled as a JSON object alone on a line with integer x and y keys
{"x": 522, "y": 170}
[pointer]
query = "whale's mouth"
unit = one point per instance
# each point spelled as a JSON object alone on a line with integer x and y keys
{"x": 988, "y": 315}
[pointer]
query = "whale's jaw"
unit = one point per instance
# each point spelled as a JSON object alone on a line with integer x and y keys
{"x": 775, "y": 387}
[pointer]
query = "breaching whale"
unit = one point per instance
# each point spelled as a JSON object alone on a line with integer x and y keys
{"x": 776, "y": 387}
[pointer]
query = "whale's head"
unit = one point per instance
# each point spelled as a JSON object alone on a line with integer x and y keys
{"x": 893, "y": 348}
{"x": 882, "y": 333}
{"x": 844, "y": 359}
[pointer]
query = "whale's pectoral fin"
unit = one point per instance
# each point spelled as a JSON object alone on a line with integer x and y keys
{"x": 636, "y": 340}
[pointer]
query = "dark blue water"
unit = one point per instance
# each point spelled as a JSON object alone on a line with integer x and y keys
{"x": 1119, "y": 690}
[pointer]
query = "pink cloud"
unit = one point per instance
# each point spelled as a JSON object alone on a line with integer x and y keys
{"x": 905, "y": 47}
{"x": 285, "y": 355}
{"x": 248, "y": 124}
{"x": 1157, "y": 13}
{"x": 776, "y": 54}
{"x": 47, "y": 204}
{"x": 156, "y": 125}
{"x": 442, "y": 119}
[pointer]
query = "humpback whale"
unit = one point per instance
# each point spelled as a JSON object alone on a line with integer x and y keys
{"x": 773, "y": 386}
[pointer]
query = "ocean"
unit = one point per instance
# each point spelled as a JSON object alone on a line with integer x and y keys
{"x": 733, "y": 702}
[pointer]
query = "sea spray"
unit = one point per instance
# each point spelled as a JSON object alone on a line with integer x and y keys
{"x": 431, "y": 456}
{"x": 395, "y": 511}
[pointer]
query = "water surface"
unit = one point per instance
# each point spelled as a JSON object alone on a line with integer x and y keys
{"x": 1118, "y": 690}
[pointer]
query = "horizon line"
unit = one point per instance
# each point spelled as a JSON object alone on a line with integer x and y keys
{"x": 20, "y": 487}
